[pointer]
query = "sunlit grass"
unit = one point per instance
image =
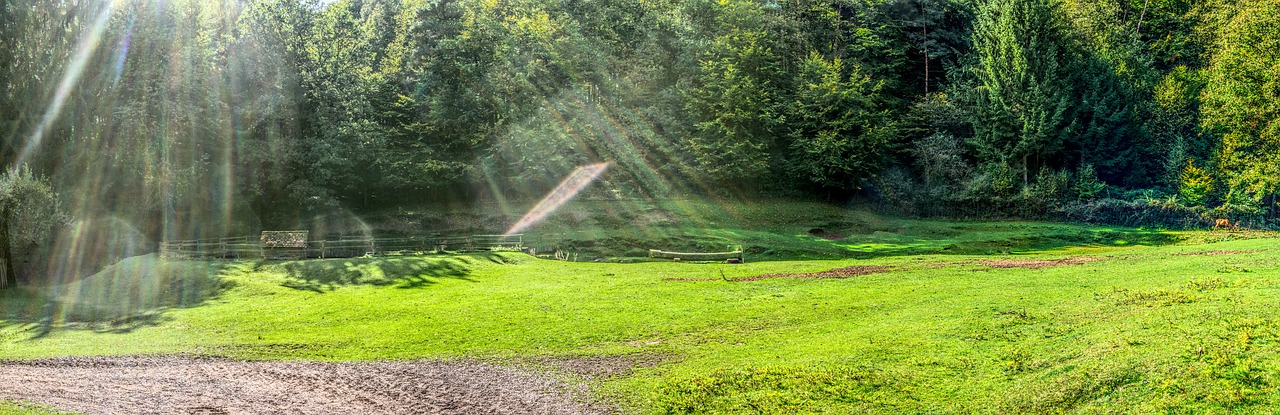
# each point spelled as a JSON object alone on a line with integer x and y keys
{"x": 21, "y": 408}
{"x": 1147, "y": 330}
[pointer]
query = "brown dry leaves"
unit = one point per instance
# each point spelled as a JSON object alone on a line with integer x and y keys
{"x": 1037, "y": 263}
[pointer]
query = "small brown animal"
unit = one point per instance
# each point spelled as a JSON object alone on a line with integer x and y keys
{"x": 1221, "y": 224}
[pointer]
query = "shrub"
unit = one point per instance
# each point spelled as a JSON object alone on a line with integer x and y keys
{"x": 1087, "y": 185}
{"x": 1147, "y": 213}
{"x": 940, "y": 158}
{"x": 1052, "y": 186}
{"x": 1194, "y": 185}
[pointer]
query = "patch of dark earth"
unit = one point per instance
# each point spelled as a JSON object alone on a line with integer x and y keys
{"x": 1037, "y": 263}
{"x": 185, "y": 385}
{"x": 1215, "y": 253}
{"x": 838, "y": 273}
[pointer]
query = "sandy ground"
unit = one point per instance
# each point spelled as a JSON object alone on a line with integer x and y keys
{"x": 178, "y": 385}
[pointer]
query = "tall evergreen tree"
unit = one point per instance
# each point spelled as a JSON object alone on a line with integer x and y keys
{"x": 735, "y": 97}
{"x": 838, "y": 134}
{"x": 1023, "y": 101}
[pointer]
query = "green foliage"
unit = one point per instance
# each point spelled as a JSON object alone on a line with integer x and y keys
{"x": 940, "y": 158}
{"x": 1175, "y": 120}
{"x": 32, "y": 207}
{"x": 1087, "y": 186}
{"x": 271, "y": 113}
{"x": 1053, "y": 185}
{"x": 838, "y": 135}
{"x": 1239, "y": 102}
{"x": 1023, "y": 69}
{"x": 735, "y": 98}
{"x": 1195, "y": 185}
{"x": 994, "y": 181}
{"x": 31, "y": 214}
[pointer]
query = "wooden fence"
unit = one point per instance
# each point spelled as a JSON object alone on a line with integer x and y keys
{"x": 343, "y": 246}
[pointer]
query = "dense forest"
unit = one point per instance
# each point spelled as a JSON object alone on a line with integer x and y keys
{"x": 186, "y": 118}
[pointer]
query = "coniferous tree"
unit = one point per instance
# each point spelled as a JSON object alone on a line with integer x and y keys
{"x": 1023, "y": 101}
{"x": 838, "y": 133}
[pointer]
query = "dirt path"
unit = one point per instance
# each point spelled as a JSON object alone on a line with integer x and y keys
{"x": 174, "y": 385}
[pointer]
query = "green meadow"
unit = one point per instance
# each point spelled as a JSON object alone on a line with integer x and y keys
{"x": 1023, "y": 318}
{"x": 19, "y": 408}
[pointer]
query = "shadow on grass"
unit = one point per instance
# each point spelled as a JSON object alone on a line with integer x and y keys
{"x": 134, "y": 293}
{"x": 403, "y": 272}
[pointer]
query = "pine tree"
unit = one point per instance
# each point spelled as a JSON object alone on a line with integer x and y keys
{"x": 1022, "y": 106}
{"x": 838, "y": 134}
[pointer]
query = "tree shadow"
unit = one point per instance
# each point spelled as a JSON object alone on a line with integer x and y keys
{"x": 407, "y": 272}
{"x": 134, "y": 293}
{"x": 980, "y": 239}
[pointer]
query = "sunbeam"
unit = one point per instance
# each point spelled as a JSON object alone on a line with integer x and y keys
{"x": 75, "y": 67}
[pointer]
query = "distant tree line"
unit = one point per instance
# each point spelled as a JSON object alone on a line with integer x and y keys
{"x": 211, "y": 117}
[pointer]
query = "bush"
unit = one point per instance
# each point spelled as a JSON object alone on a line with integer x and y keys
{"x": 1052, "y": 186}
{"x": 897, "y": 189}
{"x": 1147, "y": 213}
{"x": 940, "y": 159}
{"x": 1087, "y": 185}
{"x": 1194, "y": 185}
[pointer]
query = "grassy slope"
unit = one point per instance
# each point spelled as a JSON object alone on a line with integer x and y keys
{"x": 768, "y": 230}
{"x": 1147, "y": 331}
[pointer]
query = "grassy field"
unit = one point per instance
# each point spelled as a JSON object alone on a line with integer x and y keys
{"x": 20, "y": 408}
{"x": 1025, "y": 318}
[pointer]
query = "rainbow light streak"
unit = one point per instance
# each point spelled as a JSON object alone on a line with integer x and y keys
{"x": 562, "y": 194}
{"x": 88, "y": 44}
{"x": 124, "y": 53}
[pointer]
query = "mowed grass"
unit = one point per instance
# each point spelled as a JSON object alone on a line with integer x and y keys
{"x": 22, "y": 408}
{"x": 1191, "y": 327}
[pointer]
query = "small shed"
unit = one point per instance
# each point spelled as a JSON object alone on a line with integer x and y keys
{"x": 284, "y": 244}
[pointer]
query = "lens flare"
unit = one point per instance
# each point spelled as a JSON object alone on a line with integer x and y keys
{"x": 123, "y": 54}
{"x": 562, "y": 194}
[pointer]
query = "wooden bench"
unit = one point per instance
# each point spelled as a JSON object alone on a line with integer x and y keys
{"x": 697, "y": 256}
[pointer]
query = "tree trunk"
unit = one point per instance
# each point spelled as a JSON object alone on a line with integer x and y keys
{"x": 10, "y": 278}
{"x": 1025, "y": 180}
{"x": 926, "y": 58}
{"x": 1138, "y": 30}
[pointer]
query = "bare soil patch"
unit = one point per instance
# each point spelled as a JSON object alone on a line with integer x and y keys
{"x": 179, "y": 385}
{"x": 846, "y": 272}
{"x": 1037, "y": 263}
{"x": 1215, "y": 253}
{"x": 828, "y": 234}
